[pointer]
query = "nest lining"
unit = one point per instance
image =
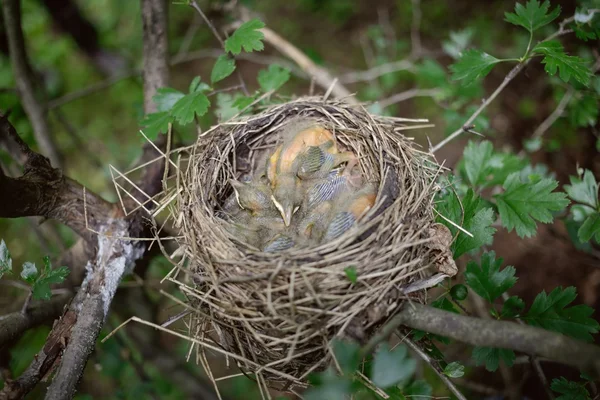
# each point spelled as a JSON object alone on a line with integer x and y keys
{"x": 277, "y": 313}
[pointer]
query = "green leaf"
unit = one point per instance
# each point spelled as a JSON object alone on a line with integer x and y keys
{"x": 590, "y": 228}
{"x": 41, "y": 290}
{"x": 477, "y": 157}
{"x": 584, "y": 191}
{"x": 458, "y": 42}
{"x": 567, "y": 66}
{"x": 418, "y": 389}
{"x": 512, "y": 308}
{"x": 328, "y": 386}
{"x": 30, "y": 272}
{"x": 224, "y": 66}
{"x": 490, "y": 357}
{"x": 487, "y": 280}
{"x": 165, "y": 98}
{"x": 522, "y": 204}
{"x": 347, "y": 354}
{"x": 5, "y": 259}
{"x": 156, "y": 123}
{"x": 247, "y": 37}
{"x": 273, "y": 78}
{"x": 569, "y": 390}
{"x": 454, "y": 370}
{"x": 473, "y": 65}
{"x": 478, "y": 223}
{"x": 190, "y": 105}
{"x": 444, "y": 304}
{"x": 351, "y": 273}
{"x": 459, "y": 292}
{"x": 584, "y": 109}
{"x": 549, "y": 311}
{"x": 533, "y": 15}
{"x": 391, "y": 367}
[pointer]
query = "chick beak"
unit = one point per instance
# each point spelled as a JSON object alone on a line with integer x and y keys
{"x": 285, "y": 210}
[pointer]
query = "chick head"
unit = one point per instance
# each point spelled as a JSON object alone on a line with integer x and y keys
{"x": 286, "y": 196}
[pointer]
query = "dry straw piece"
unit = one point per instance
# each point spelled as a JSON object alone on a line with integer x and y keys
{"x": 275, "y": 315}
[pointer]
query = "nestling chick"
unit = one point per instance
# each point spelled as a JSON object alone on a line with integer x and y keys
{"x": 253, "y": 197}
{"x": 287, "y": 196}
{"x": 279, "y": 243}
{"x": 350, "y": 212}
{"x": 314, "y": 222}
{"x": 329, "y": 188}
{"x": 317, "y": 161}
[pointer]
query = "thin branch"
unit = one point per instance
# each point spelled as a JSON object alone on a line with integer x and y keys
{"x": 13, "y": 325}
{"x": 492, "y": 333}
{"x": 436, "y": 368}
{"x": 509, "y": 77}
{"x": 556, "y": 114}
{"x": 24, "y": 77}
{"x": 376, "y": 72}
{"x": 415, "y": 29}
{"x": 156, "y": 50}
{"x": 407, "y": 95}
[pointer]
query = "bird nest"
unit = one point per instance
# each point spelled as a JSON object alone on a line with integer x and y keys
{"x": 275, "y": 314}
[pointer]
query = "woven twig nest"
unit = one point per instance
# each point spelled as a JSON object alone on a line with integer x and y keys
{"x": 275, "y": 314}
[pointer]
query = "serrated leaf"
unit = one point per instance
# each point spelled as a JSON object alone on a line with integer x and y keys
{"x": 418, "y": 389}
{"x": 473, "y": 65}
{"x": 41, "y": 290}
{"x": 444, "y": 304}
{"x": 487, "y": 280}
{"x": 347, "y": 354}
{"x": 584, "y": 190}
{"x": 57, "y": 275}
{"x": 533, "y": 15}
{"x": 328, "y": 386}
{"x": 568, "y": 66}
{"x": 224, "y": 66}
{"x": 391, "y": 367}
{"x": 549, "y": 311}
{"x": 156, "y": 123}
{"x": 273, "y": 78}
{"x": 590, "y": 228}
{"x": 247, "y": 37}
{"x": 458, "y": 42}
{"x": 190, "y": 105}
{"x": 165, "y": 98}
{"x": 454, "y": 370}
{"x": 491, "y": 357}
{"x": 512, "y": 307}
{"x": 477, "y": 157}
{"x": 583, "y": 110}
{"x": 351, "y": 273}
{"x": 569, "y": 390}
{"x": 30, "y": 272}
{"x": 5, "y": 259}
{"x": 523, "y": 203}
{"x": 476, "y": 220}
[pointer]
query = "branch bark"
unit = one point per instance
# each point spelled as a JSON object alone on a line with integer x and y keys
{"x": 25, "y": 79}
{"x": 493, "y": 333}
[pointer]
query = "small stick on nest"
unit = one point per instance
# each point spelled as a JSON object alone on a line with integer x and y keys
{"x": 276, "y": 314}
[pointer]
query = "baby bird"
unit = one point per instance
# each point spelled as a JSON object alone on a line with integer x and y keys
{"x": 314, "y": 222}
{"x": 318, "y": 161}
{"x": 350, "y": 212}
{"x": 253, "y": 197}
{"x": 279, "y": 243}
{"x": 329, "y": 188}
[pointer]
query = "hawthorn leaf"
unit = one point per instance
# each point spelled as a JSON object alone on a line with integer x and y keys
{"x": 224, "y": 66}
{"x": 347, "y": 354}
{"x": 533, "y": 15}
{"x": 30, "y": 272}
{"x": 247, "y": 37}
{"x": 454, "y": 370}
{"x": 584, "y": 190}
{"x": 512, "y": 307}
{"x": 476, "y": 158}
{"x": 491, "y": 357}
{"x": 523, "y": 203}
{"x": 487, "y": 280}
{"x": 550, "y": 311}
{"x": 156, "y": 123}
{"x": 590, "y": 228}
{"x": 189, "y": 106}
{"x": 473, "y": 65}
{"x": 391, "y": 366}
{"x": 273, "y": 78}
{"x": 569, "y": 390}
{"x": 165, "y": 98}
{"x": 351, "y": 273}
{"x": 568, "y": 66}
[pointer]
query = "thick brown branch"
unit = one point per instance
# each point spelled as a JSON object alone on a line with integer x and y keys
{"x": 492, "y": 333}
{"x": 14, "y": 324}
{"x": 25, "y": 79}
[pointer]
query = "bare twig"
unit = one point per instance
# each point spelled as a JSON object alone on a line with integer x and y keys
{"x": 156, "y": 50}
{"x": 376, "y": 72}
{"x": 13, "y": 325}
{"x": 556, "y": 114}
{"x": 407, "y": 95}
{"x": 415, "y": 29}
{"x": 25, "y": 79}
{"x": 436, "y": 368}
{"x": 493, "y": 333}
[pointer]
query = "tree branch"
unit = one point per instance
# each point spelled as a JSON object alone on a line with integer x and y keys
{"x": 25, "y": 79}
{"x": 493, "y": 333}
{"x": 37, "y": 313}
{"x": 156, "y": 50}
